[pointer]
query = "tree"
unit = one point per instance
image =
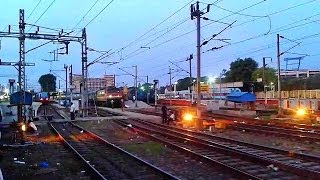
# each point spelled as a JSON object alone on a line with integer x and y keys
{"x": 48, "y": 82}
{"x": 241, "y": 70}
{"x": 185, "y": 83}
{"x": 269, "y": 74}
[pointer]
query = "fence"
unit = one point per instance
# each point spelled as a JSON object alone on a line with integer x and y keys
{"x": 301, "y": 94}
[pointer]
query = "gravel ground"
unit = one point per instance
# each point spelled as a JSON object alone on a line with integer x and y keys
{"x": 62, "y": 164}
{"x": 312, "y": 148}
{"x": 268, "y": 140}
{"x": 153, "y": 152}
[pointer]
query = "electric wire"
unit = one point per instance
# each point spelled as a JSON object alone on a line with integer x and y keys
{"x": 195, "y": 29}
{"x": 157, "y": 25}
{"x": 82, "y": 19}
{"x": 44, "y": 12}
{"x": 268, "y": 15}
{"x": 98, "y": 13}
{"x": 34, "y": 9}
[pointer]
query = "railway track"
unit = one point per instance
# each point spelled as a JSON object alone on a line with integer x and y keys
{"x": 105, "y": 160}
{"x": 242, "y": 159}
{"x": 289, "y": 130}
{"x": 49, "y": 112}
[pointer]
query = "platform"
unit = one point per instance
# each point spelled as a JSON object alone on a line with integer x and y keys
{"x": 132, "y": 114}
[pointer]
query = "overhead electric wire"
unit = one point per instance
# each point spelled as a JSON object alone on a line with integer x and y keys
{"x": 157, "y": 25}
{"x": 44, "y": 11}
{"x": 276, "y": 12}
{"x": 34, "y": 9}
{"x": 195, "y": 29}
{"x": 139, "y": 38}
{"x": 98, "y": 13}
{"x": 86, "y": 14}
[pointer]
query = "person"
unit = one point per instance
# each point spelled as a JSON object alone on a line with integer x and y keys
{"x": 171, "y": 117}
{"x": 112, "y": 101}
{"x": 72, "y": 111}
{"x": 122, "y": 104}
{"x": 31, "y": 127}
{"x": 134, "y": 98}
{"x": 164, "y": 114}
{"x": 30, "y": 112}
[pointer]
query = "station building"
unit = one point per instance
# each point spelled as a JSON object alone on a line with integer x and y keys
{"x": 94, "y": 84}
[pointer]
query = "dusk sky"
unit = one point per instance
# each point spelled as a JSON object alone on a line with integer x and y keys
{"x": 124, "y": 21}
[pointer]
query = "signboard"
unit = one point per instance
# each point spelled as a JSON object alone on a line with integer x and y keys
{"x": 259, "y": 80}
{"x": 203, "y": 88}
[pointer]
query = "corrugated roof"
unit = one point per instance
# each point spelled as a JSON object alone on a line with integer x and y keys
{"x": 236, "y": 94}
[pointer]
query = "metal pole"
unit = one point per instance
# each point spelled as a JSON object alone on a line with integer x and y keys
{"x": 148, "y": 93}
{"x": 279, "y": 82}
{"x": 199, "y": 123}
{"x": 21, "y": 68}
{"x": 191, "y": 83}
{"x": 220, "y": 97}
{"x": 71, "y": 83}
{"x": 136, "y": 85}
{"x": 170, "y": 85}
{"x": 59, "y": 93}
{"x": 155, "y": 95}
{"x": 66, "y": 68}
{"x": 263, "y": 80}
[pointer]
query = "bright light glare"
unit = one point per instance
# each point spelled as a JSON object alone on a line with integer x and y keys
{"x": 142, "y": 88}
{"x": 187, "y": 117}
{"x": 212, "y": 79}
{"x": 23, "y": 127}
{"x": 301, "y": 112}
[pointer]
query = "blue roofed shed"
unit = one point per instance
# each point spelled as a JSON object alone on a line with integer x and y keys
{"x": 15, "y": 98}
{"x": 241, "y": 97}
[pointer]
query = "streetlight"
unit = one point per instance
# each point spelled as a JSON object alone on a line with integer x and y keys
{"x": 175, "y": 88}
{"x": 212, "y": 79}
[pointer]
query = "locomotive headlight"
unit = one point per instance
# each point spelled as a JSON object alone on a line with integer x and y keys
{"x": 110, "y": 96}
{"x": 301, "y": 112}
{"x": 187, "y": 117}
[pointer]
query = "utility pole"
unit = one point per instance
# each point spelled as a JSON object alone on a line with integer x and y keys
{"x": 66, "y": 69}
{"x": 136, "y": 84}
{"x": 190, "y": 69}
{"x": 21, "y": 68}
{"x": 170, "y": 80}
{"x": 156, "y": 82}
{"x": 61, "y": 37}
{"x": 195, "y": 12}
{"x": 59, "y": 93}
{"x": 84, "y": 60}
{"x": 71, "y": 83}
{"x": 264, "y": 78}
{"x": 220, "y": 81}
{"x": 279, "y": 81}
{"x": 148, "y": 93}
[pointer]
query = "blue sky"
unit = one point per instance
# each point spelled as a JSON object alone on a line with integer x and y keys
{"x": 125, "y": 20}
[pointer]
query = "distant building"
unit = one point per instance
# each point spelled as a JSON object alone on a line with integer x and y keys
{"x": 94, "y": 84}
{"x": 298, "y": 74}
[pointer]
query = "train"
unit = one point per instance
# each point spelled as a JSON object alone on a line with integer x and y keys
{"x": 109, "y": 97}
{"x": 43, "y": 97}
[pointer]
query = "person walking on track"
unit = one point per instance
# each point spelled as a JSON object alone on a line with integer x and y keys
{"x": 72, "y": 111}
{"x": 164, "y": 114}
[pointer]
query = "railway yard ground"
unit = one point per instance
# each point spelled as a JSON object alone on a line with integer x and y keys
{"x": 46, "y": 156}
